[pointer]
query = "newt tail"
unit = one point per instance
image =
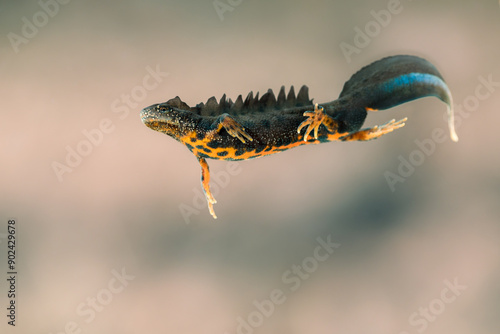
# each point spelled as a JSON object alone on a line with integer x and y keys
{"x": 255, "y": 127}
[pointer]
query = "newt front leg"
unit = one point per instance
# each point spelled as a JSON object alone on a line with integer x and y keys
{"x": 232, "y": 127}
{"x": 205, "y": 179}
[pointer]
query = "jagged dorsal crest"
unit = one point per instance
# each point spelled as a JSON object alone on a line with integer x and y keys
{"x": 250, "y": 104}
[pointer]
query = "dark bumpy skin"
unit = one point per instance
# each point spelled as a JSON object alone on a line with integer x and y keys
{"x": 255, "y": 127}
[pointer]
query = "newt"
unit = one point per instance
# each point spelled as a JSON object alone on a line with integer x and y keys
{"x": 256, "y": 127}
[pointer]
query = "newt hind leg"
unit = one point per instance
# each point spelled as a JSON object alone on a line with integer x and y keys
{"x": 314, "y": 120}
{"x": 205, "y": 179}
{"x": 375, "y": 132}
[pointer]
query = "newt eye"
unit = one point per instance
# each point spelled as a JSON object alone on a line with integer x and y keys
{"x": 161, "y": 108}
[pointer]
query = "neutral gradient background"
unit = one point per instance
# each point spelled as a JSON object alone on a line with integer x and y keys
{"x": 118, "y": 209}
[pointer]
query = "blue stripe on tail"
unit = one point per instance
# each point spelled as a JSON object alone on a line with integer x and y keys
{"x": 407, "y": 81}
{"x": 416, "y": 78}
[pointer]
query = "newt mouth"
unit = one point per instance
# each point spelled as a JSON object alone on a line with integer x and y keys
{"x": 159, "y": 121}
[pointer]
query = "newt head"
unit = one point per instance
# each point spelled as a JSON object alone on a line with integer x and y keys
{"x": 170, "y": 118}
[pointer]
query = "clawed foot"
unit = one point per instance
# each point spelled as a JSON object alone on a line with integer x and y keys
{"x": 314, "y": 120}
{"x": 234, "y": 128}
{"x": 210, "y": 201}
{"x": 376, "y": 131}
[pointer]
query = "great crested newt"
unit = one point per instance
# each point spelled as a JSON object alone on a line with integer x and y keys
{"x": 256, "y": 127}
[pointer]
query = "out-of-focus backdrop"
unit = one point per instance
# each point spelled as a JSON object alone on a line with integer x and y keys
{"x": 397, "y": 235}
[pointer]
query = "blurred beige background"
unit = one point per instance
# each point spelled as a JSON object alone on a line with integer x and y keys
{"x": 116, "y": 214}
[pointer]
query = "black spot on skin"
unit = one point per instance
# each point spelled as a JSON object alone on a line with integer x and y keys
{"x": 268, "y": 149}
{"x": 239, "y": 152}
{"x": 213, "y": 144}
{"x": 193, "y": 140}
{"x": 200, "y": 135}
{"x": 222, "y": 154}
{"x": 207, "y": 150}
{"x": 203, "y": 155}
{"x": 189, "y": 146}
{"x": 200, "y": 147}
{"x": 285, "y": 141}
{"x": 259, "y": 149}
